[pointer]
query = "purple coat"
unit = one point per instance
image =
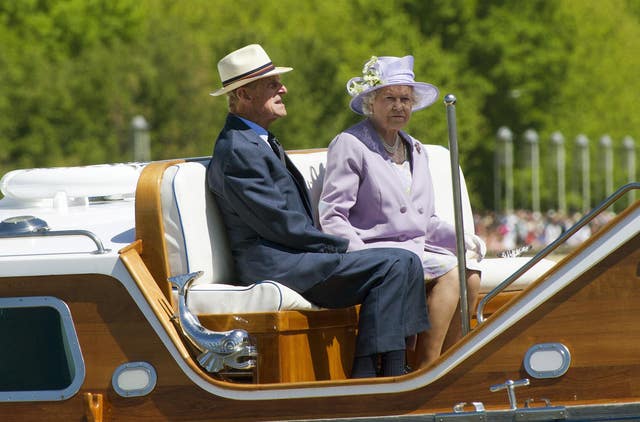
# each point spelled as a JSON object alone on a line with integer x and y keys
{"x": 363, "y": 200}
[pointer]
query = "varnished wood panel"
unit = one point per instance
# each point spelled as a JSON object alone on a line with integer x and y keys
{"x": 149, "y": 223}
{"x": 596, "y": 317}
{"x": 111, "y": 331}
{"x": 297, "y": 346}
{"x": 293, "y": 346}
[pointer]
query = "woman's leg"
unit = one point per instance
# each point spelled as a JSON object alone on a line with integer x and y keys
{"x": 443, "y": 296}
{"x": 473, "y": 291}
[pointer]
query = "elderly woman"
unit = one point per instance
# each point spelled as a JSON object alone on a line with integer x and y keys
{"x": 378, "y": 192}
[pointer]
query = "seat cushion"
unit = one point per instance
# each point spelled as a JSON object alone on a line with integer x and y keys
{"x": 496, "y": 270}
{"x": 265, "y": 296}
{"x": 196, "y": 241}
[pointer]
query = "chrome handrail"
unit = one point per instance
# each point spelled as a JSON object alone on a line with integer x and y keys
{"x": 553, "y": 245}
{"x": 101, "y": 249}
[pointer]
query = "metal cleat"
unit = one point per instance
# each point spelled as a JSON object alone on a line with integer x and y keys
{"x": 459, "y": 414}
{"x": 545, "y": 412}
{"x": 529, "y": 402}
{"x": 478, "y": 406}
{"x": 510, "y": 386}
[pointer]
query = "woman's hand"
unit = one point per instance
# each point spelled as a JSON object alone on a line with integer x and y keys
{"x": 476, "y": 248}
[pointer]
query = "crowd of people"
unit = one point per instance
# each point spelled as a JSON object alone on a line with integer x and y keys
{"x": 503, "y": 232}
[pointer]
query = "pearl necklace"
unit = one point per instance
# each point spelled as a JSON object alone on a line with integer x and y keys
{"x": 393, "y": 148}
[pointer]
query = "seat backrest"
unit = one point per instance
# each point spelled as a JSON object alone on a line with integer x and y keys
{"x": 440, "y": 167}
{"x": 181, "y": 228}
{"x": 312, "y": 165}
{"x": 195, "y": 234}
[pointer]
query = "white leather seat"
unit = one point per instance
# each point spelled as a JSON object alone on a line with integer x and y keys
{"x": 196, "y": 241}
{"x": 312, "y": 165}
{"x": 494, "y": 270}
{"x": 196, "y": 238}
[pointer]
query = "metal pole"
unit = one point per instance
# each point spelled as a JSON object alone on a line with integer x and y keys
{"x": 531, "y": 137}
{"x": 141, "y": 143}
{"x": 558, "y": 140}
{"x": 606, "y": 143}
{"x": 630, "y": 147}
{"x": 583, "y": 144}
{"x": 497, "y": 177}
{"x": 508, "y": 152}
{"x": 450, "y": 104}
{"x": 506, "y": 136}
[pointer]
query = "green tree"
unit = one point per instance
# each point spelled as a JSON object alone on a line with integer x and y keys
{"x": 73, "y": 73}
{"x": 62, "y": 79}
{"x": 598, "y": 93}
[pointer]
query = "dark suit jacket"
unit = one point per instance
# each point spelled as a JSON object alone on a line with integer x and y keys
{"x": 266, "y": 209}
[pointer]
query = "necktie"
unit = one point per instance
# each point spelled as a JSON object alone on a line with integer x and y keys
{"x": 276, "y": 146}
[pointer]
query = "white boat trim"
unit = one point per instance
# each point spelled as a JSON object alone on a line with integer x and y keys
{"x": 60, "y": 183}
{"x": 559, "y": 279}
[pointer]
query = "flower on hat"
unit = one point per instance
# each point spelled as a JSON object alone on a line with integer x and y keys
{"x": 370, "y": 77}
{"x": 379, "y": 72}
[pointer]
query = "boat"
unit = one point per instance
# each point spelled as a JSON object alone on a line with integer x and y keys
{"x": 117, "y": 303}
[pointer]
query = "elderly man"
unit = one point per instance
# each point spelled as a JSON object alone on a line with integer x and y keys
{"x": 267, "y": 212}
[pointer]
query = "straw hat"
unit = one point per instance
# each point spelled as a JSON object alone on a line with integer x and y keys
{"x": 245, "y": 65}
{"x": 380, "y": 72}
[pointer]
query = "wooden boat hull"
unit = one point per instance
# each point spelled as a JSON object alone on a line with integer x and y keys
{"x": 122, "y": 314}
{"x": 596, "y": 317}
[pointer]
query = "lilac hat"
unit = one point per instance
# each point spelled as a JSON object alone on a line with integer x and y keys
{"x": 379, "y": 72}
